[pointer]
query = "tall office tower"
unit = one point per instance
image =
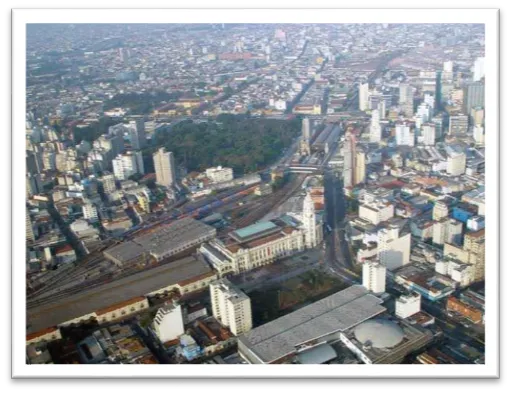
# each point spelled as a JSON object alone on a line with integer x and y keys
{"x": 458, "y": 124}
{"x": 473, "y": 96}
{"x": 309, "y": 222}
{"x": 406, "y": 93}
{"x": 34, "y": 184}
{"x": 373, "y": 276}
{"x": 382, "y": 108}
{"x": 478, "y": 69}
{"x": 404, "y": 135}
{"x": 29, "y": 228}
{"x": 478, "y": 134}
{"x": 474, "y": 243}
{"x": 456, "y": 163}
{"x": 429, "y": 133}
{"x": 360, "y": 168}
{"x": 231, "y": 307}
{"x": 306, "y": 133}
{"x": 124, "y": 55}
{"x": 476, "y": 116}
{"x": 408, "y": 305}
{"x": 393, "y": 247}
{"x": 363, "y": 96}
{"x": 164, "y": 167}
{"x": 137, "y": 134}
{"x": 440, "y": 210}
{"x": 375, "y": 128}
{"x": 430, "y": 100}
{"x": 448, "y": 66}
{"x": 128, "y": 164}
{"x": 438, "y": 120}
{"x": 168, "y": 322}
{"x": 425, "y": 111}
{"x": 349, "y": 159}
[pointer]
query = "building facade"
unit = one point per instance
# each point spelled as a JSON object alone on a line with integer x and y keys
{"x": 231, "y": 306}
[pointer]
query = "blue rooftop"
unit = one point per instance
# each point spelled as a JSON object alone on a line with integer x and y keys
{"x": 254, "y": 229}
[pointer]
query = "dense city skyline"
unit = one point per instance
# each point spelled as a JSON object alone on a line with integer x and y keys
{"x": 255, "y": 193}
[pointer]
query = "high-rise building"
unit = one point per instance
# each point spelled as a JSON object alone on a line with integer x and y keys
{"x": 458, "y": 124}
{"x": 34, "y": 184}
{"x": 408, "y": 305}
{"x": 309, "y": 222}
{"x": 393, "y": 247}
{"x": 478, "y": 73}
{"x": 164, "y": 167}
{"x": 374, "y": 276}
{"x": 448, "y": 66}
{"x": 456, "y": 163}
{"x": 447, "y": 230}
{"x": 406, "y": 93}
{"x": 360, "y": 168}
{"x": 440, "y": 210}
{"x": 478, "y": 134}
{"x": 306, "y": 133}
{"x": 474, "y": 243}
{"x": 168, "y": 322}
{"x": 349, "y": 159}
{"x": 476, "y": 116}
{"x": 404, "y": 135}
{"x": 29, "y": 228}
{"x": 363, "y": 96}
{"x": 108, "y": 183}
{"x": 231, "y": 307}
{"x": 429, "y": 133}
{"x": 473, "y": 96}
{"x": 128, "y": 164}
{"x": 90, "y": 211}
{"x": 375, "y": 128}
{"x": 137, "y": 134}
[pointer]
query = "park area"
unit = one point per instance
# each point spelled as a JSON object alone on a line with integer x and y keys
{"x": 273, "y": 302}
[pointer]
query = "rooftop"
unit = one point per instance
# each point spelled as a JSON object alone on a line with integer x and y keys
{"x": 106, "y": 295}
{"x": 337, "y": 312}
{"x": 254, "y": 229}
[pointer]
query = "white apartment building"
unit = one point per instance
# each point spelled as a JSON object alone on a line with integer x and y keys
{"x": 456, "y": 164}
{"x": 440, "y": 210}
{"x": 363, "y": 96}
{"x": 168, "y": 322}
{"x": 374, "y": 276}
{"x": 408, "y": 305}
{"x": 404, "y": 135}
{"x": 478, "y": 69}
{"x": 108, "y": 182}
{"x": 128, "y": 164}
{"x": 376, "y": 211}
{"x": 165, "y": 167}
{"x": 447, "y": 231}
{"x": 90, "y": 212}
{"x": 478, "y": 133}
{"x": 219, "y": 174}
{"x": 375, "y": 128}
{"x": 393, "y": 249}
{"x": 231, "y": 307}
{"x": 429, "y": 133}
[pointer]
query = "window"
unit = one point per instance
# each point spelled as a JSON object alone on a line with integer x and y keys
{"x": 142, "y": 305}
{"x": 132, "y": 309}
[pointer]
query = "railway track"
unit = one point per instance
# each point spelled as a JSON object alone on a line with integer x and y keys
{"x": 273, "y": 201}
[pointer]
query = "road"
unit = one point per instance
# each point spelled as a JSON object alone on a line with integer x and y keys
{"x": 337, "y": 255}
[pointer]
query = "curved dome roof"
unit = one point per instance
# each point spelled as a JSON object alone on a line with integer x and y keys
{"x": 379, "y": 333}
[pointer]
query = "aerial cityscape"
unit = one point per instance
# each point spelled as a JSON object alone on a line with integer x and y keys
{"x": 255, "y": 194}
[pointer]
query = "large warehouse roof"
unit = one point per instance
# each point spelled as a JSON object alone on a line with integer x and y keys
{"x": 177, "y": 234}
{"x": 138, "y": 284}
{"x": 337, "y": 312}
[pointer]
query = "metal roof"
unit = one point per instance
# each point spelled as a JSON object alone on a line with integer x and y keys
{"x": 253, "y": 229}
{"x": 379, "y": 333}
{"x": 317, "y": 355}
{"x": 335, "y": 313}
